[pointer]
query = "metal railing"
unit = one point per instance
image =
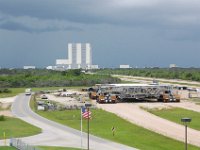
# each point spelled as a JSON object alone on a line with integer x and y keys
{"x": 20, "y": 145}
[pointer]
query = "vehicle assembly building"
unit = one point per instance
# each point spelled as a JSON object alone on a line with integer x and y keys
{"x": 79, "y": 56}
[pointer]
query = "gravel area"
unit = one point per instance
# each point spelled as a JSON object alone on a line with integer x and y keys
{"x": 5, "y": 104}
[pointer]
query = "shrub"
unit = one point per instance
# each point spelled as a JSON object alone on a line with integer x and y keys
{"x": 2, "y": 118}
{"x": 7, "y": 91}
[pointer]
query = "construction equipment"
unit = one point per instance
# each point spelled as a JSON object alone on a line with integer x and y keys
{"x": 93, "y": 95}
{"x": 107, "y": 93}
{"x": 108, "y": 98}
{"x": 169, "y": 96}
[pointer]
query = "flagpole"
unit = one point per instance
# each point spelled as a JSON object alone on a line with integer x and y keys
{"x": 88, "y": 110}
{"x": 81, "y": 130}
{"x": 88, "y": 118}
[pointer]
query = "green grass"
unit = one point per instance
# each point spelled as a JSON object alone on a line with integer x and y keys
{"x": 126, "y": 133}
{"x": 57, "y": 148}
{"x": 175, "y": 115}
{"x": 7, "y": 148}
{"x": 14, "y": 127}
{"x": 14, "y": 92}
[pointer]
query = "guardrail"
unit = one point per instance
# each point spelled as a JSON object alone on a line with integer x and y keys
{"x": 20, "y": 145}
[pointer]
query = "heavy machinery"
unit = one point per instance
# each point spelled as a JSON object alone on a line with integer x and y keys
{"x": 108, "y": 98}
{"x": 169, "y": 96}
{"x": 112, "y": 93}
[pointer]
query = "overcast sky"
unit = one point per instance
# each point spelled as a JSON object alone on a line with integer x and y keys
{"x": 141, "y": 33}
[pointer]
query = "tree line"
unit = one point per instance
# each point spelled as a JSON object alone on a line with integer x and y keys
{"x": 50, "y": 78}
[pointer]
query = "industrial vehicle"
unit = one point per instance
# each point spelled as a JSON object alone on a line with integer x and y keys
{"x": 93, "y": 95}
{"x": 107, "y": 98}
{"x": 169, "y": 96}
{"x": 106, "y": 93}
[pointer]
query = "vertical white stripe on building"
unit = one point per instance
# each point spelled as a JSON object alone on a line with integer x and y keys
{"x": 88, "y": 54}
{"x": 70, "y": 53}
{"x": 78, "y": 53}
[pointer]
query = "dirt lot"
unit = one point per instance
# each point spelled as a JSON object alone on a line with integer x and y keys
{"x": 133, "y": 113}
{"x": 77, "y": 99}
{"x": 5, "y": 104}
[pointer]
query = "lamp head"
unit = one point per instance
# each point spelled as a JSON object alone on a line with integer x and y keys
{"x": 186, "y": 120}
{"x": 88, "y": 105}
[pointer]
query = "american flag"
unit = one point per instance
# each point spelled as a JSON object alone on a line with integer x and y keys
{"x": 85, "y": 113}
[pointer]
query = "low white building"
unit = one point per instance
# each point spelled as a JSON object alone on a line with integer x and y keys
{"x": 29, "y": 67}
{"x": 124, "y": 66}
{"x": 51, "y": 67}
{"x": 172, "y": 66}
{"x": 94, "y": 67}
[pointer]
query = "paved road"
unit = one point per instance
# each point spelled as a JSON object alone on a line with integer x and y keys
{"x": 54, "y": 134}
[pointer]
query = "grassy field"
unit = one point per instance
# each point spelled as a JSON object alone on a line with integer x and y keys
{"x": 14, "y": 91}
{"x": 126, "y": 133}
{"x": 14, "y": 127}
{"x": 7, "y": 148}
{"x": 175, "y": 115}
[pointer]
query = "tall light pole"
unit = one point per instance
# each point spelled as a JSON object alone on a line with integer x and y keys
{"x": 186, "y": 121}
{"x": 87, "y": 105}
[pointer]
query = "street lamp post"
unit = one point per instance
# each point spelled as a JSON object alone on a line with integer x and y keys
{"x": 87, "y": 105}
{"x": 186, "y": 121}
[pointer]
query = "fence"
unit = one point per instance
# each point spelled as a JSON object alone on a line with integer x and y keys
{"x": 20, "y": 145}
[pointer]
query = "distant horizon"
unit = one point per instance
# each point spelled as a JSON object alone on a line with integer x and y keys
{"x": 108, "y": 68}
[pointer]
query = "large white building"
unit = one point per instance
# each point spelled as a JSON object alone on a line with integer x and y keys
{"x": 79, "y": 56}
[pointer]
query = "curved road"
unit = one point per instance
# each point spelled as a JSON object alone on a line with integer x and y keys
{"x": 54, "y": 134}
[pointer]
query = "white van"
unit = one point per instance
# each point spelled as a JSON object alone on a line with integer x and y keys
{"x": 27, "y": 92}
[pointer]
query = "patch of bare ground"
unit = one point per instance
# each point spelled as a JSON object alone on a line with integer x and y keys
{"x": 5, "y": 105}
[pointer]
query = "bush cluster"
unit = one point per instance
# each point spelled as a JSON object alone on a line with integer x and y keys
{"x": 49, "y": 78}
{"x": 5, "y": 91}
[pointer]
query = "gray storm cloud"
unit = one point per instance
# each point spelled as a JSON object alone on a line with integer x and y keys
{"x": 153, "y": 13}
{"x": 30, "y": 24}
{"x": 135, "y": 32}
